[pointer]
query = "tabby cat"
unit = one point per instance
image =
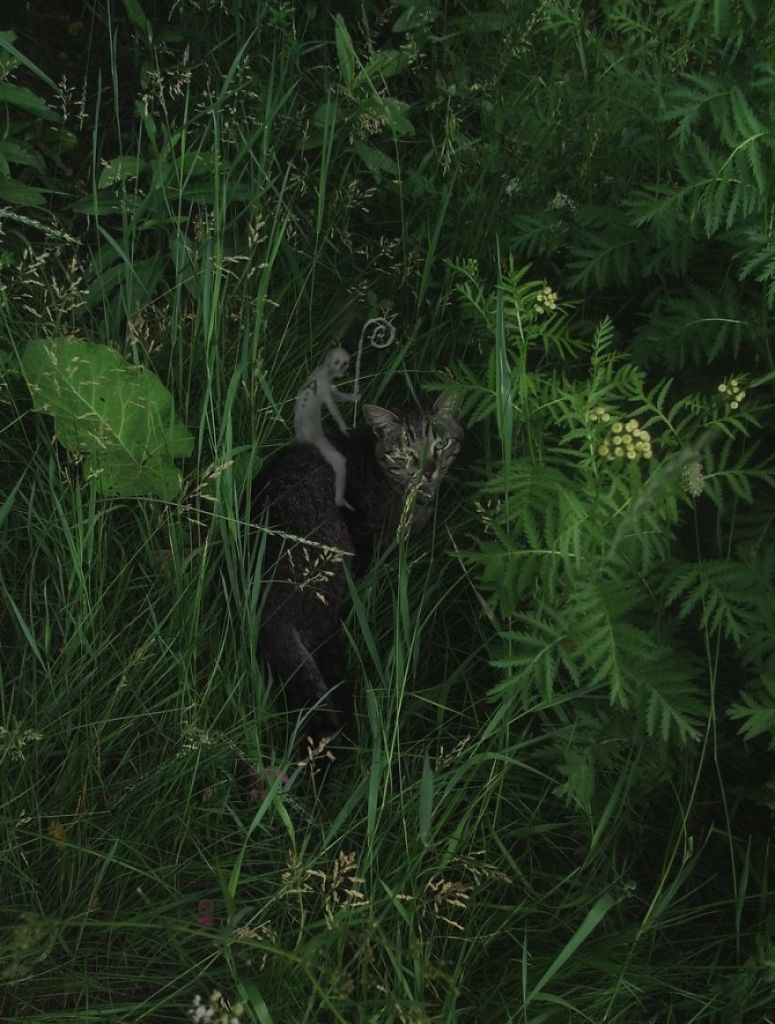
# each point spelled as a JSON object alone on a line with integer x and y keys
{"x": 394, "y": 465}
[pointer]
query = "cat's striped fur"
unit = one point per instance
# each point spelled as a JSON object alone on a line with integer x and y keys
{"x": 398, "y": 455}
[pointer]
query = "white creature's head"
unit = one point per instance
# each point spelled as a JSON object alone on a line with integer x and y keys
{"x": 337, "y": 362}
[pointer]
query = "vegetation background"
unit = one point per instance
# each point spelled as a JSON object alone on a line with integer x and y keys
{"x": 559, "y": 807}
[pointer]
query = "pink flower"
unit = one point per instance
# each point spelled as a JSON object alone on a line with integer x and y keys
{"x": 205, "y": 911}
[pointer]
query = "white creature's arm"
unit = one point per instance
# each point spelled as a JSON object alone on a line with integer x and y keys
{"x": 325, "y": 391}
{"x": 343, "y": 396}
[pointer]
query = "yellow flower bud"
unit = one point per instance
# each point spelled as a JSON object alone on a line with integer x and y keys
{"x": 626, "y": 439}
{"x": 606, "y": 417}
{"x": 722, "y": 388}
{"x": 734, "y": 405}
{"x": 617, "y": 428}
{"x": 603, "y": 449}
{"x": 740, "y": 395}
{"x": 631, "y": 425}
{"x": 632, "y": 454}
{"x": 618, "y": 452}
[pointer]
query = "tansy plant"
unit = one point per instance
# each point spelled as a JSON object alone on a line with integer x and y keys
{"x": 588, "y": 470}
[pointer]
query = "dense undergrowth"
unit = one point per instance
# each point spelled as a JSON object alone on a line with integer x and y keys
{"x": 559, "y": 805}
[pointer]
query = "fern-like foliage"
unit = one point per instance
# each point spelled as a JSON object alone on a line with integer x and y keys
{"x": 726, "y": 595}
{"x": 605, "y": 249}
{"x": 756, "y": 711}
{"x": 594, "y": 643}
{"x": 538, "y": 234}
{"x": 576, "y": 555}
{"x": 674, "y": 212}
{"x": 757, "y": 259}
{"x": 702, "y": 326}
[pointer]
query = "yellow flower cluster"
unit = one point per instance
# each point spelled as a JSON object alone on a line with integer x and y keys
{"x": 546, "y": 300}
{"x": 626, "y": 441}
{"x": 732, "y": 392}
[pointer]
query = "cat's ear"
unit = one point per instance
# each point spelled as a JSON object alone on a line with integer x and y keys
{"x": 380, "y": 420}
{"x": 447, "y": 404}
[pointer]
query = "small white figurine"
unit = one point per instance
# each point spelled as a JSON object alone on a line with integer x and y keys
{"x": 320, "y": 390}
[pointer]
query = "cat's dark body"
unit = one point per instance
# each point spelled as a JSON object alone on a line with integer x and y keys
{"x": 306, "y": 584}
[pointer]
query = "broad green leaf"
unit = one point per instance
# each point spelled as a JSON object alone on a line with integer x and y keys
{"x": 482, "y": 21}
{"x": 378, "y": 163}
{"x": 7, "y": 39}
{"x": 120, "y": 169}
{"x": 325, "y": 114}
{"x": 25, "y": 99}
{"x": 103, "y": 203}
{"x": 137, "y": 16}
{"x": 383, "y": 64}
{"x": 19, "y": 194}
{"x": 14, "y": 153}
{"x": 426, "y": 800}
{"x": 144, "y": 276}
{"x": 344, "y": 51}
{"x": 192, "y": 164}
{"x": 415, "y": 16}
{"x": 392, "y": 112}
{"x": 118, "y": 417}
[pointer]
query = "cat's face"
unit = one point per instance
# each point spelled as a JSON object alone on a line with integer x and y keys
{"x": 416, "y": 447}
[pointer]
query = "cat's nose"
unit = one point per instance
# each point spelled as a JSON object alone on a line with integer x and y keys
{"x": 430, "y": 468}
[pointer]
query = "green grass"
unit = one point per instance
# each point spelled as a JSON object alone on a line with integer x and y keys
{"x": 450, "y": 869}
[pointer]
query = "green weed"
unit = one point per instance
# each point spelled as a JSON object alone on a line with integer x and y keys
{"x": 557, "y": 806}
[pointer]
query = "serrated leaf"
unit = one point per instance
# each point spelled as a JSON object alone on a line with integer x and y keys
{"x": 757, "y": 713}
{"x": 118, "y": 417}
{"x": 578, "y": 768}
{"x": 672, "y": 700}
